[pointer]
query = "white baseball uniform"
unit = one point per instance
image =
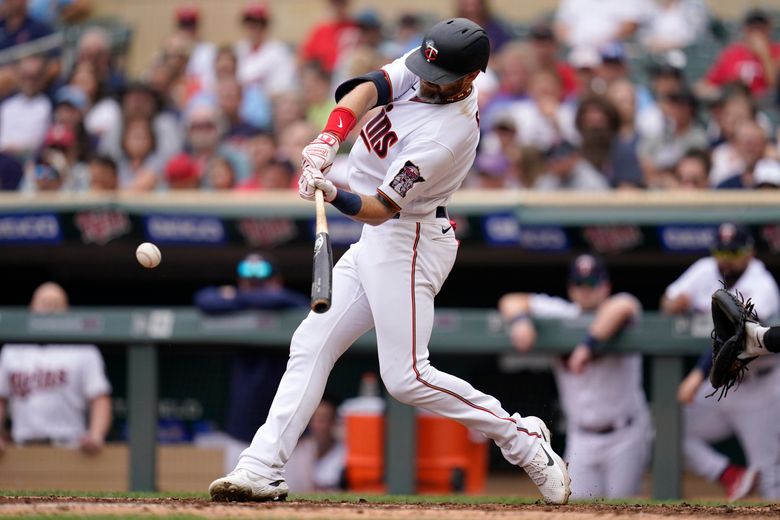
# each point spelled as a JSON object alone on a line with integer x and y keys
{"x": 415, "y": 155}
{"x": 608, "y": 428}
{"x": 750, "y": 411}
{"x": 49, "y": 388}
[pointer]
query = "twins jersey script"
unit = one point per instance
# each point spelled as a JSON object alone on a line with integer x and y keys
{"x": 49, "y": 388}
{"x": 413, "y": 155}
{"x": 750, "y": 411}
{"x": 607, "y": 418}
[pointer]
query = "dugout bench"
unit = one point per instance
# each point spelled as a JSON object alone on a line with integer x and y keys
{"x": 662, "y": 339}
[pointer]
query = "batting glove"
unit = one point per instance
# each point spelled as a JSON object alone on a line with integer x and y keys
{"x": 319, "y": 154}
{"x": 311, "y": 180}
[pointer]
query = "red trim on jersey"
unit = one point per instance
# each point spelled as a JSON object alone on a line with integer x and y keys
{"x": 414, "y": 351}
{"x": 390, "y": 201}
{"x": 389, "y": 83}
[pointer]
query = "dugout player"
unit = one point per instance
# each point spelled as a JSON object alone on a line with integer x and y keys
{"x": 750, "y": 412}
{"x": 608, "y": 427}
{"x": 411, "y": 156}
{"x": 50, "y": 389}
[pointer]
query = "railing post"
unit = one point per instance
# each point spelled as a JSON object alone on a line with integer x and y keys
{"x": 400, "y": 448}
{"x": 667, "y": 468}
{"x": 142, "y": 416}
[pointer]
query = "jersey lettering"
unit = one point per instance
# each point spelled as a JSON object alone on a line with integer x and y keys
{"x": 24, "y": 383}
{"x": 377, "y": 135}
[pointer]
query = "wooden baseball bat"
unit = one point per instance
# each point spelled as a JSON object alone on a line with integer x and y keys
{"x": 322, "y": 273}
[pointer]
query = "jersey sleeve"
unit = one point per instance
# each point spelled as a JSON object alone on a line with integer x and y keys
{"x": 545, "y": 306}
{"x": 94, "y": 379}
{"x": 415, "y": 172}
{"x": 686, "y": 283}
{"x": 391, "y": 81}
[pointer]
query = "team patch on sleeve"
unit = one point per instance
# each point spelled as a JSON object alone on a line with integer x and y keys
{"x": 406, "y": 178}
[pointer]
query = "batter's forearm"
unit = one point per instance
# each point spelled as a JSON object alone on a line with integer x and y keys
{"x": 360, "y": 99}
{"x": 100, "y": 416}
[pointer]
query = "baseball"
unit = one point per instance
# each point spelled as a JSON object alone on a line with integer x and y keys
{"x": 148, "y": 255}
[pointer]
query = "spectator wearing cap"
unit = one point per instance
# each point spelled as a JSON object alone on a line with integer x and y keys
{"x": 69, "y": 108}
{"x": 751, "y": 61}
{"x": 139, "y": 100}
{"x": 543, "y": 119}
{"x": 363, "y": 54}
{"x": 692, "y": 171}
{"x": 601, "y": 393}
{"x": 767, "y": 174}
{"x": 94, "y": 46}
{"x": 599, "y": 123}
{"x": 612, "y": 67}
{"x": 205, "y": 129}
{"x": 751, "y": 145}
{"x": 681, "y": 133}
{"x": 586, "y": 62}
{"x": 479, "y": 12}
{"x": 675, "y": 24}
{"x": 592, "y": 23}
{"x": 263, "y": 62}
{"x": 202, "y": 54}
{"x": 25, "y": 116}
{"x": 327, "y": 40}
{"x": 140, "y": 165}
{"x": 103, "y": 174}
{"x": 567, "y": 170}
{"x": 491, "y": 171}
{"x": 514, "y": 65}
{"x": 182, "y": 173}
{"x": 546, "y": 50}
{"x": 56, "y": 167}
{"x": 254, "y": 374}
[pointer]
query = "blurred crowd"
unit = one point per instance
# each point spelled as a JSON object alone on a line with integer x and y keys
{"x": 596, "y": 96}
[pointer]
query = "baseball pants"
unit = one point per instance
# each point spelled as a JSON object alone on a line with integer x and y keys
{"x": 386, "y": 281}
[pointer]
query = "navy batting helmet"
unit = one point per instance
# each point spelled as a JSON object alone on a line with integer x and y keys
{"x": 450, "y": 50}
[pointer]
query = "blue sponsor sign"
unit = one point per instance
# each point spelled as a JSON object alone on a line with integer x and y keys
{"x": 180, "y": 229}
{"x": 687, "y": 238}
{"x": 30, "y": 228}
{"x": 501, "y": 229}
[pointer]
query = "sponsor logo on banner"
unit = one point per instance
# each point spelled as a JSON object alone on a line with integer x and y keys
{"x": 101, "y": 227}
{"x": 343, "y": 231}
{"x": 65, "y": 324}
{"x": 501, "y": 229}
{"x": 771, "y": 233}
{"x": 267, "y": 232}
{"x": 685, "y": 238}
{"x": 38, "y": 228}
{"x": 177, "y": 229}
{"x": 543, "y": 238}
{"x": 612, "y": 239}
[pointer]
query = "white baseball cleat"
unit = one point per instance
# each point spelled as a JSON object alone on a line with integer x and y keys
{"x": 244, "y": 486}
{"x": 548, "y": 471}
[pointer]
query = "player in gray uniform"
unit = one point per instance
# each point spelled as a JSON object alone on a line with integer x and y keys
{"x": 411, "y": 155}
{"x": 749, "y": 413}
{"x": 608, "y": 427}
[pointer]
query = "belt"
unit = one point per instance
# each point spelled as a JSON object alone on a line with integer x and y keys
{"x": 608, "y": 429}
{"x": 441, "y": 212}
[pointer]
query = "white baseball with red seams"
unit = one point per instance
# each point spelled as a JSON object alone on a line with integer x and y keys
{"x": 415, "y": 155}
{"x": 148, "y": 255}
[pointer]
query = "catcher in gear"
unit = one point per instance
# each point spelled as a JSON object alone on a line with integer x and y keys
{"x": 737, "y": 339}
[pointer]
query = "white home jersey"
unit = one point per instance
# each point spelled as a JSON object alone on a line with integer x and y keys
{"x": 702, "y": 279}
{"x": 608, "y": 391}
{"x": 49, "y": 388}
{"x": 418, "y": 153}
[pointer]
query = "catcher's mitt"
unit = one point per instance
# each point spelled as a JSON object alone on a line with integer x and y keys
{"x": 730, "y": 312}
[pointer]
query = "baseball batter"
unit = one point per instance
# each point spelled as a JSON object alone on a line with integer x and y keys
{"x": 608, "y": 427}
{"x": 409, "y": 159}
{"x": 750, "y": 412}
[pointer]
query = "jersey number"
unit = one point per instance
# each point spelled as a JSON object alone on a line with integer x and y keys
{"x": 377, "y": 134}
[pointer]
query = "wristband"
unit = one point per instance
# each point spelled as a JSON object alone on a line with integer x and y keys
{"x": 340, "y": 123}
{"x": 591, "y": 342}
{"x": 518, "y": 318}
{"x": 347, "y": 202}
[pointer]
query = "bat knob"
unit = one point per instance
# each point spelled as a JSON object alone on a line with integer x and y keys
{"x": 320, "y": 306}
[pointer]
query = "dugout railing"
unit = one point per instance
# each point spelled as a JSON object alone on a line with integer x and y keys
{"x": 663, "y": 340}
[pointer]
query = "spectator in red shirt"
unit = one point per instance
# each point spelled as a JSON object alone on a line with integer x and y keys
{"x": 752, "y": 61}
{"x": 327, "y": 40}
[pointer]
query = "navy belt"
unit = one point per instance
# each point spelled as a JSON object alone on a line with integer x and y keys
{"x": 441, "y": 212}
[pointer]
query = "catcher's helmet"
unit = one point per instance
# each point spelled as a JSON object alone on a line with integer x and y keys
{"x": 449, "y": 51}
